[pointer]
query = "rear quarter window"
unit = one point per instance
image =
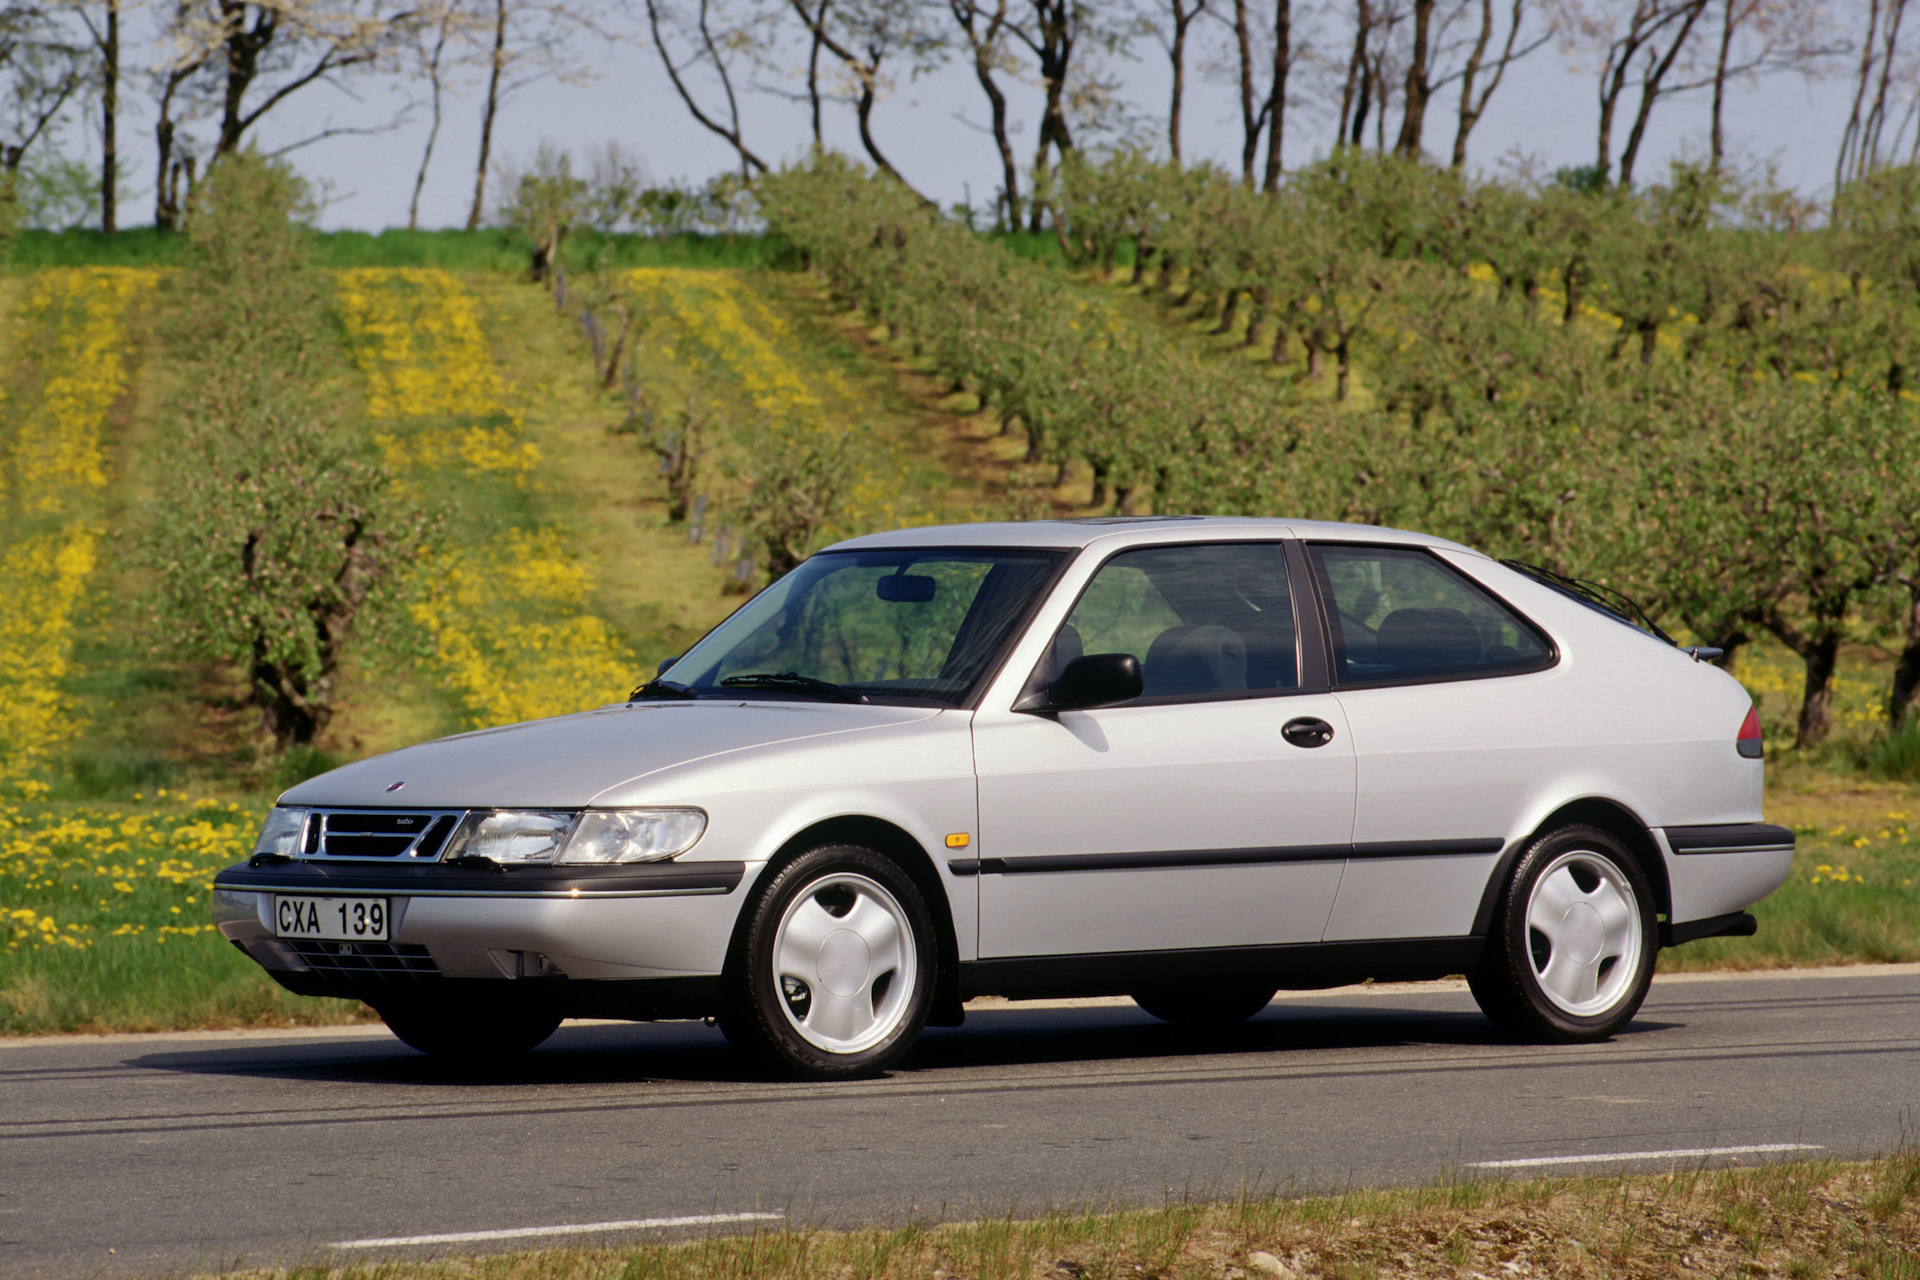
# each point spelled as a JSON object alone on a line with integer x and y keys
{"x": 1399, "y": 614}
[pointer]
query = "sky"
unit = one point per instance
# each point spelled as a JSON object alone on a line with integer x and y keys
{"x": 1545, "y": 112}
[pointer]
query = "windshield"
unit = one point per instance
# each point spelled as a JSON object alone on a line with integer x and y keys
{"x": 920, "y": 625}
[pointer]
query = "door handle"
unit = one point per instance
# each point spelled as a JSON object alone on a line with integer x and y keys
{"x": 1307, "y": 731}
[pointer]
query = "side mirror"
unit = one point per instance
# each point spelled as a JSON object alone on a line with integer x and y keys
{"x": 1096, "y": 680}
{"x": 662, "y": 669}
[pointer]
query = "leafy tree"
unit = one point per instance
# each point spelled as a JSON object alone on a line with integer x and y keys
{"x": 275, "y": 536}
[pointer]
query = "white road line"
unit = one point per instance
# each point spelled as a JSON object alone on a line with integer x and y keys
{"x": 1678, "y": 1153}
{"x": 577, "y": 1228}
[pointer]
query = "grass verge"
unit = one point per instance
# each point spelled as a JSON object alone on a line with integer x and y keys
{"x": 1803, "y": 1219}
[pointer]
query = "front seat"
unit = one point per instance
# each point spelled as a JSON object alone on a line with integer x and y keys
{"x": 1202, "y": 659}
{"x": 1427, "y": 638}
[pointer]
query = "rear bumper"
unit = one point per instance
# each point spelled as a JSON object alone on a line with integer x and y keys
{"x": 658, "y": 932}
{"x": 1720, "y": 870}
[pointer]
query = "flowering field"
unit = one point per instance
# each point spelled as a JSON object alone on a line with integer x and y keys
{"x": 505, "y": 606}
{"x": 103, "y": 918}
{"x": 68, "y": 337}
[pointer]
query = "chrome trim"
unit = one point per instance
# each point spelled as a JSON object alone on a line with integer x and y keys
{"x": 314, "y": 833}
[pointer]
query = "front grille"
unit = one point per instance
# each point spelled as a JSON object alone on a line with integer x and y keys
{"x": 359, "y": 961}
{"x": 377, "y": 833}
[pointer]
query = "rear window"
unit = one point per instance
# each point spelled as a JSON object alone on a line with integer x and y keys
{"x": 1399, "y": 614}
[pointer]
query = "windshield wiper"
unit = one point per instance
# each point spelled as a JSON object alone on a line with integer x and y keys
{"x": 792, "y": 681}
{"x": 659, "y": 687}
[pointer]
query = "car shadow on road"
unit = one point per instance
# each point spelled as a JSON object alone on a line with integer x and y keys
{"x": 1009, "y": 1037}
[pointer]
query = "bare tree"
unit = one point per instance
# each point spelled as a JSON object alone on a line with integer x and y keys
{"x": 1639, "y": 46}
{"x": 1758, "y": 36}
{"x": 237, "y": 61}
{"x": 1473, "y": 104}
{"x": 40, "y": 71}
{"x": 862, "y": 34}
{"x": 106, "y": 43}
{"x": 696, "y": 31}
{"x": 1419, "y": 83}
{"x": 986, "y": 29}
{"x": 1260, "y": 41}
{"x": 1860, "y": 145}
{"x": 526, "y": 41}
{"x": 443, "y": 19}
{"x": 1180, "y": 15}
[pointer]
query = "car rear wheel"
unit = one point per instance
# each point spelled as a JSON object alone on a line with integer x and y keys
{"x": 1570, "y": 955}
{"x": 833, "y": 976}
{"x": 468, "y": 1033}
{"x": 1205, "y": 1006}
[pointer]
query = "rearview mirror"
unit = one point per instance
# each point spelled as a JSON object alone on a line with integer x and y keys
{"x": 905, "y": 588}
{"x": 1096, "y": 680}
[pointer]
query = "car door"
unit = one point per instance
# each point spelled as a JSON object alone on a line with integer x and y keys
{"x": 1185, "y": 818}
{"x": 1443, "y": 688}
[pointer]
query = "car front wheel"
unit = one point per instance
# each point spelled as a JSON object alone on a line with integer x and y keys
{"x": 1570, "y": 955}
{"x": 833, "y": 976}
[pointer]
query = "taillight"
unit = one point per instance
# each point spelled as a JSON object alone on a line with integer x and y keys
{"x": 1747, "y": 741}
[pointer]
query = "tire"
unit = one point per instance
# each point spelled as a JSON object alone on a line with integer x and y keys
{"x": 468, "y": 1034}
{"x": 1206, "y": 1006}
{"x": 833, "y": 974}
{"x": 1570, "y": 953}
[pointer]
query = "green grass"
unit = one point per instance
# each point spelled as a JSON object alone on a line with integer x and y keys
{"x": 488, "y": 249}
{"x": 1808, "y": 1218}
{"x": 103, "y": 918}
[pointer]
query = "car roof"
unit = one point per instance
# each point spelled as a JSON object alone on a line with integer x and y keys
{"x": 1073, "y": 534}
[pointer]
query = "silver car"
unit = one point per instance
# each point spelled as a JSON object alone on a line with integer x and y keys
{"x": 1189, "y": 760}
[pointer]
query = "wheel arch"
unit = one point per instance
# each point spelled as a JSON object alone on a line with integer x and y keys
{"x": 898, "y": 846}
{"x": 1609, "y": 816}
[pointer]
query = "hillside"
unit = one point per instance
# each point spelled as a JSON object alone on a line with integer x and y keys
{"x": 555, "y": 579}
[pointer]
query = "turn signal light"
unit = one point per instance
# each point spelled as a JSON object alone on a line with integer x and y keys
{"x": 1747, "y": 741}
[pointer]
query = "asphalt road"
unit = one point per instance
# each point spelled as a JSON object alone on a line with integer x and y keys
{"x": 143, "y": 1155}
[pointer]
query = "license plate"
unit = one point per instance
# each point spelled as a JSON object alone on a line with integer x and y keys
{"x": 332, "y": 919}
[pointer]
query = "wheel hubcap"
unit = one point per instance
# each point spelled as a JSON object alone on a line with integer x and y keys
{"x": 1583, "y": 934}
{"x": 844, "y": 962}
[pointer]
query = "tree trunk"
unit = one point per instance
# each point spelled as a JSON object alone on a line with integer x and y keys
{"x": 110, "y": 119}
{"x": 1650, "y": 91}
{"x": 984, "y": 48}
{"x": 1277, "y": 103}
{"x": 1249, "y": 122}
{"x": 1719, "y": 137}
{"x": 1903, "y": 702}
{"x": 487, "y": 113}
{"x": 1054, "y": 53}
{"x": 1413, "y": 110}
{"x": 1228, "y": 312}
{"x": 1356, "y": 77}
{"x": 1469, "y": 115}
{"x": 1816, "y": 704}
{"x": 433, "y": 131}
{"x": 813, "y": 68}
{"x": 1177, "y": 57}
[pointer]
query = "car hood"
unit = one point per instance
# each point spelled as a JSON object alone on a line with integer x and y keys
{"x": 568, "y": 761}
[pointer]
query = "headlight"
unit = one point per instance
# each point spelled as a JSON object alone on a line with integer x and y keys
{"x": 281, "y": 835}
{"x": 511, "y": 838}
{"x": 633, "y": 835}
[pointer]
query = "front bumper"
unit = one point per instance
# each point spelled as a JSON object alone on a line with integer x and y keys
{"x": 647, "y": 940}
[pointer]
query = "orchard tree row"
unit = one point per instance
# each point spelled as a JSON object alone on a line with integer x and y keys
{"x": 1674, "y": 391}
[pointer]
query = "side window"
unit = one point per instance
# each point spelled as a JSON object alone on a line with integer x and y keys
{"x": 1401, "y": 614}
{"x": 1212, "y": 618}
